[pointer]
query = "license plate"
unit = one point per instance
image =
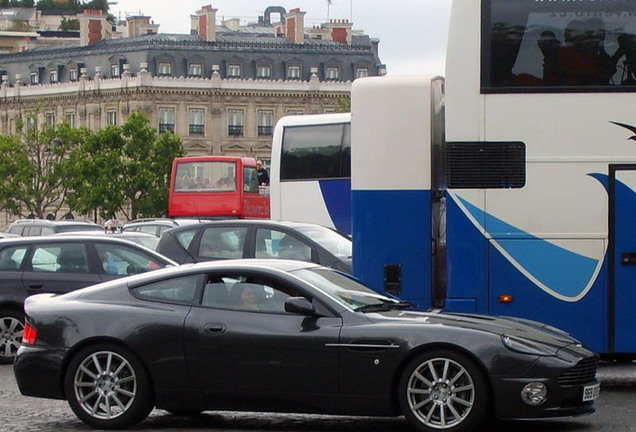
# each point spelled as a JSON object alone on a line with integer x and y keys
{"x": 591, "y": 392}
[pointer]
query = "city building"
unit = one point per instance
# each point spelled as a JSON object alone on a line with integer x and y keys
{"x": 221, "y": 88}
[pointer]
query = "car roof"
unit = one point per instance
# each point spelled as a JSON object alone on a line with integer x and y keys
{"x": 59, "y": 238}
{"x": 53, "y": 222}
{"x": 249, "y": 222}
{"x": 102, "y": 234}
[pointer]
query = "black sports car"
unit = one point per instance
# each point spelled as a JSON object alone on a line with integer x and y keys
{"x": 277, "y": 335}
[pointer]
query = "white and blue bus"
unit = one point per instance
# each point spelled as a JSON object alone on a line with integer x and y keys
{"x": 509, "y": 186}
{"x": 310, "y": 174}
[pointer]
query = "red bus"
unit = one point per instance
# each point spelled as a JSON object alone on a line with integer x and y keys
{"x": 217, "y": 187}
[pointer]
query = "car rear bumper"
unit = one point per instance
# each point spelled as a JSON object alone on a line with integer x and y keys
{"x": 38, "y": 372}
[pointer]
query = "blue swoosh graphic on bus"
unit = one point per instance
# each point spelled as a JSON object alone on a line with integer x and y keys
{"x": 562, "y": 271}
{"x": 337, "y": 196}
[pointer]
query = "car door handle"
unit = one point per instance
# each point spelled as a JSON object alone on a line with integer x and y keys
{"x": 35, "y": 285}
{"x": 214, "y": 328}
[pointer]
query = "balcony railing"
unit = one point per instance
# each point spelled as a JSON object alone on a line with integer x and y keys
{"x": 165, "y": 127}
{"x": 197, "y": 129}
{"x": 265, "y": 130}
{"x": 235, "y": 130}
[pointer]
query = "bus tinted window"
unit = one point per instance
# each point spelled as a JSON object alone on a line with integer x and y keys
{"x": 205, "y": 176}
{"x": 581, "y": 44}
{"x": 316, "y": 152}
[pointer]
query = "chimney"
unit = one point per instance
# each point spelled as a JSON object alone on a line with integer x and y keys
{"x": 207, "y": 23}
{"x": 295, "y": 26}
{"x": 340, "y": 31}
{"x": 93, "y": 27}
{"x": 141, "y": 25}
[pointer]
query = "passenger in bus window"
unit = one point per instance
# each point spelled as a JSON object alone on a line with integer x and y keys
{"x": 263, "y": 176}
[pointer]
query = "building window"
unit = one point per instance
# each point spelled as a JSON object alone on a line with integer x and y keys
{"x": 114, "y": 71}
{"x": 111, "y": 118}
{"x": 166, "y": 120}
{"x": 72, "y": 74}
{"x": 53, "y": 76}
{"x": 263, "y": 71}
{"x": 265, "y": 122}
{"x": 362, "y": 72}
{"x": 70, "y": 119}
{"x": 31, "y": 123}
{"x": 333, "y": 73}
{"x": 234, "y": 71}
{"x": 195, "y": 70}
{"x": 196, "y": 122}
{"x": 293, "y": 72}
{"x": 235, "y": 123}
{"x": 35, "y": 78}
{"x": 165, "y": 69}
{"x": 50, "y": 119}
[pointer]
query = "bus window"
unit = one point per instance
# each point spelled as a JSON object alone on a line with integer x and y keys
{"x": 250, "y": 180}
{"x": 316, "y": 152}
{"x": 206, "y": 176}
{"x": 580, "y": 44}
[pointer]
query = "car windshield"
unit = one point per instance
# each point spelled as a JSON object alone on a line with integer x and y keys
{"x": 339, "y": 245}
{"x": 348, "y": 291}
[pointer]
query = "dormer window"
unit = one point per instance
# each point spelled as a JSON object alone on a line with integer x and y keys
{"x": 114, "y": 71}
{"x": 195, "y": 70}
{"x": 72, "y": 74}
{"x": 53, "y": 78}
{"x": 233, "y": 71}
{"x": 165, "y": 69}
{"x": 333, "y": 73}
{"x": 263, "y": 71}
{"x": 35, "y": 78}
{"x": 293, "y": 72}
{"x": 362, "y": 72}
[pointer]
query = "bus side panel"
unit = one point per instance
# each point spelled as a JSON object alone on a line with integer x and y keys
{"x": 255, "y": 206}
{"x": 394, "y": 228}
{"x": 467, "y": 252}
{"x": 195, "y": 204}
{"x": 585, "y": 318}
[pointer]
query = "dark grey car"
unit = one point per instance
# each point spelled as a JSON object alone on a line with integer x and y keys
{"x": 231, "y": 239}
{"x": 52, "y": 264}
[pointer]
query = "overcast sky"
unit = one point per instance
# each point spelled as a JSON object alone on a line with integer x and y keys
{"x": 412, "y": 33}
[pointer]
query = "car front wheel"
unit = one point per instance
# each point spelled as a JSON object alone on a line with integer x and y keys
{"x": 108, "y": 388}
{"x": 444, "y": 390}
{"x": 11, "y": 332}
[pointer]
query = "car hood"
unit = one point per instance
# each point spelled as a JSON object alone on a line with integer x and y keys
{"x": 509, "y": 326}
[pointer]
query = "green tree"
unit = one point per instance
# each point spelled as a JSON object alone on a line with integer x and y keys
{"x": 125, "y": 169}
{"x": 34, "y": 168}
{"x": 69, "y": 24}
{"x": 344, "y": 105}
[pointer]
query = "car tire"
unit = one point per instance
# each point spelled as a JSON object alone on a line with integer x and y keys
{"x": 11, "y": 332}
{"x": 108, "y": 387}
{"x": 444, "y": 390}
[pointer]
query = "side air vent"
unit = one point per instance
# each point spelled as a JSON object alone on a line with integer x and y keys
{"x": 485, "y": 165}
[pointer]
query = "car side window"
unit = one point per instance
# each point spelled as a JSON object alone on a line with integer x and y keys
{"x": 176, "y": 290}
{"x": 271, "y": 243}
{"x": 60, "y": 258}
{"x": 11, "y": 258}
{"x": 185, "y": 237}
{"x": 247, "y": 293}
{"x": 148, "y": 229}
{"x": 222, "y": 242}
{"x": 122, "y": 260}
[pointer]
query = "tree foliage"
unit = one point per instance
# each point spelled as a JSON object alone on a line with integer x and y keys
{"x": 73, "y": 6}
{"x": 344, "y": 105}
{"x": 17, "y": 3}
{"x": 34, "y": 168}
{"x": 125, "y": 169}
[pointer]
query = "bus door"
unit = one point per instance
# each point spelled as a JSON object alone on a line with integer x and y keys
{"x": 622, "y": 259}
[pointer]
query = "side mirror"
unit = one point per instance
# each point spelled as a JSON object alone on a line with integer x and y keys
{"x": 300, "y": 306}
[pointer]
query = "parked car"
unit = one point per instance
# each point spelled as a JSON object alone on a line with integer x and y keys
{"x": 42, "y": 227}
{"x": 156, "y": 226}
{"x": 146, "y": 240}
{"x": 253, "y": 238}
{"x": 288, "y": 336}
{"x": 58, "y": 264}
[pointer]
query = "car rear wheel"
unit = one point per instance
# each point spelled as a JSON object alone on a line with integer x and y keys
{"x": 444, "y": 390}
{"x": 108, "y": 388}
{"x": 11, "y": 332}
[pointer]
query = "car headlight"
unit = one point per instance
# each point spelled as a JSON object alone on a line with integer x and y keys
{"x": 526, "y": 346}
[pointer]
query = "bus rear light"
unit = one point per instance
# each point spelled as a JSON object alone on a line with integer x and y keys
{"x": 29, "y": 336}
{"x": 506, "y": 298}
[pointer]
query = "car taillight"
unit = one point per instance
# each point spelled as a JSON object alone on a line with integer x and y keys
{"x": 29, "y": 336}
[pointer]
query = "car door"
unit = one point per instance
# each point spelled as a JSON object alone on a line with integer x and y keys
{"x": 267, "y": 353}
{"x": 58, "y": 267}
{"x": 274, "y": 243}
